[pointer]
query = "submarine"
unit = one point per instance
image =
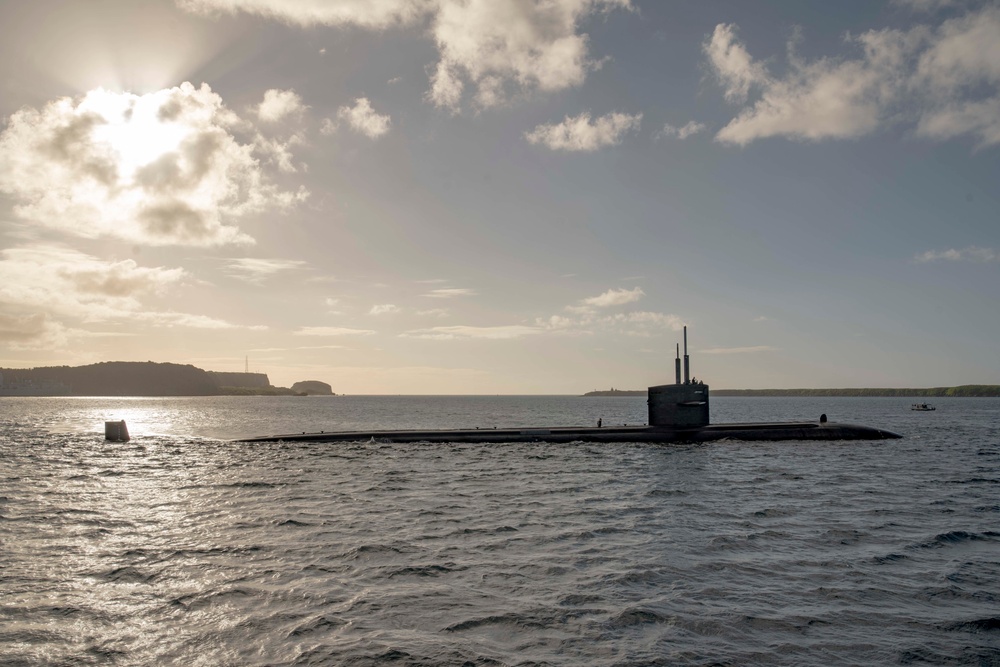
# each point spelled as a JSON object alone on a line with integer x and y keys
{"x": 678, "y": 413}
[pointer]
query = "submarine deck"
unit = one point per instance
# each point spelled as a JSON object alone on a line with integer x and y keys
{"x": 606, "y": 434}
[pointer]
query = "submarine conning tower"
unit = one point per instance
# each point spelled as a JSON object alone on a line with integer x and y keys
{"x": 682, "y": 404}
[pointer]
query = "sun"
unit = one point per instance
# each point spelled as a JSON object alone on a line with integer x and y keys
{"x": 135, "y": 131}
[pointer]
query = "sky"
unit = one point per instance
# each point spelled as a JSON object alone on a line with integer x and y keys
{"x": 504, "y": 196}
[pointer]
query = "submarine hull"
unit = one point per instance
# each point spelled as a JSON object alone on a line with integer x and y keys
{"x": 652, "y": 434}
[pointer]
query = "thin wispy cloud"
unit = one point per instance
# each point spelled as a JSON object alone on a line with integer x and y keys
{"x": 470, "y": 332}
{"x": 738, "y": 350}
{"x": 61, "y": 280}
{"x": 450, "y": 292}
{"x": 384, "y": 309}
{"x": 255, "y": 269}
{"x": 300, "y": 347}
{"x": 332, "y": 331}
{"x": 614, "y": 297}
{"x": 689, "y": 129}
{"x": 970, "y": 254}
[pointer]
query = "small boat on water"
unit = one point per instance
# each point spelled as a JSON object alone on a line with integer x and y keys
{"x": 922, "y": 407}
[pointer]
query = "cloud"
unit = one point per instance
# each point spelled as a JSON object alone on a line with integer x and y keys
{"x": 32, "y": 332}
{"x": 960, "y": 70}
{"x": 449, "y": 292}
{"x": 279, "y": 104}
{"x": 43, "y": 286}
{"x": 62, "y": 281}
{"x": 434, "y": 312}
{"x": 332, "y": 331}
{"x": 819, "y": 100}
{"x": 924, "y": 5}
{"x": 383, "y": 309}
{"x": 946, "y": 79}
{"x": 643, "y": 322}
{"x": 161, "y": 168}
{"x": 689, "y": 129}
{"x": 504, "y": 46}
{"x": 970, "y": 254}
{"x": 174, "y": 319}
{"x": 362, "y": 119}
{"x": 738, "y": 350}
{"x": 377, "y": 14}
{"x": 255, "y": 270}
{"x": 579, "y": 133}
{"x": 496, "y": 48}
{"x": 980, "y": 119}
{"x": 732, "y": 63}
{"x": 614, "y": 297}
{"x": 468, "y": 332}
{"x": 278, "y": 150}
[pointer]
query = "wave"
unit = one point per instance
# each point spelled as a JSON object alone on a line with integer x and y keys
{"x": 957, "y": 537}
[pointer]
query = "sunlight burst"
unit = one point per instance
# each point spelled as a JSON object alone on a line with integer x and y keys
{"x": 135, "y": 129}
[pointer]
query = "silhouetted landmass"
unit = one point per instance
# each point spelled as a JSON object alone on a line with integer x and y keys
{"x": 965, "y": 390}
{"x": 973, "y": 390}
{"x": 133, "y": 378}
{"x": 313, "y": 388}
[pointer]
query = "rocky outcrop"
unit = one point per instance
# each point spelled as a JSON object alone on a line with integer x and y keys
{"x": 313, "y": 388}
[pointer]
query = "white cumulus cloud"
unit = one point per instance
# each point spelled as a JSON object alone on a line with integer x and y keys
{"x": 945, "y": 78}
{"x": 279, "y": 104}
{"x": 383, "y": 309}
{"x": 581, "y": 133}
{"x": 733, "y": 64}
{"x": 161, "y": 168}
{"x": 496, "y": 48}
{"x": 361, "y": 118}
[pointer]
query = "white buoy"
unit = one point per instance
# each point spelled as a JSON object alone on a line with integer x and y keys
{"x": 116, "y": 431}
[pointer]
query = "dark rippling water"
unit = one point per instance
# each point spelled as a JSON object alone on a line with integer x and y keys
{"x": 180, "y": 547}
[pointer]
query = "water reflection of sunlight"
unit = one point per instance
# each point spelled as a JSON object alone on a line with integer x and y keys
{"x": 126, "y": 542}
{"x": 144, "y": 416}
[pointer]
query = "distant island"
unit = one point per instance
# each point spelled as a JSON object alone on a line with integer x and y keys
{"x": 134, "y": 378}
{"x": 965, "y": 390}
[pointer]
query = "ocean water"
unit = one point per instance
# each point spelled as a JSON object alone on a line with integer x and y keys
{"x": 183, "y": 547}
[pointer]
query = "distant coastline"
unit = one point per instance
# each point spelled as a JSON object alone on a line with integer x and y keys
{"x": 965, "y": 390}
{"x": 133, "y": 378}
